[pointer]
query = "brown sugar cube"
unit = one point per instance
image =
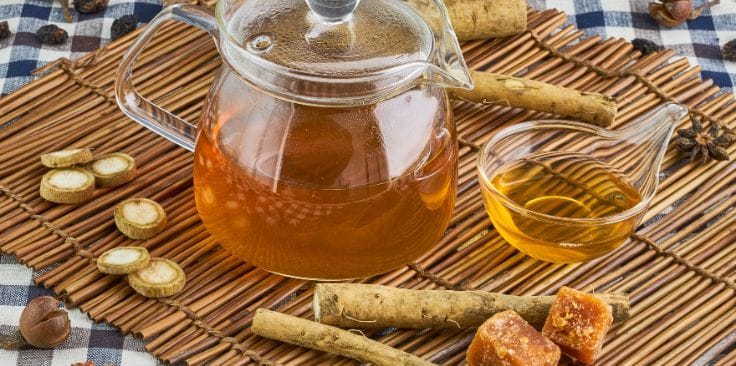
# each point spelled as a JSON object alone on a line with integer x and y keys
{"x": 578, "y": 323}
{"x": 505, "y": 339}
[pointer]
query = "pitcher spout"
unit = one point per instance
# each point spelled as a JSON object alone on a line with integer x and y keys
{"x": 654, "y": 128}
{"x": 648, "y": 137}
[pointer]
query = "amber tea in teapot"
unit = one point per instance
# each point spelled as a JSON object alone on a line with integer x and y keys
{"x": 326, "y": 192}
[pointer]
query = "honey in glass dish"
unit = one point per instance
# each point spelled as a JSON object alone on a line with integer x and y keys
{"x": 326, "y": 192}
{"x": 541, "y": 191}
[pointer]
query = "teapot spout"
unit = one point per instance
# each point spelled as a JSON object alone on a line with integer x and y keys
{"x": 446, "y": 67}
{"x": 449, "y": 72}
{"x": 443, "y": 74}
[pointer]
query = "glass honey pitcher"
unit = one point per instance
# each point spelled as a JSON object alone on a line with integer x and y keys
{"x": 326, "y": 147}
{"x": 565, "y": 192}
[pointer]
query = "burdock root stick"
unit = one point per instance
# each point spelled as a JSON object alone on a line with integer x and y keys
{"x": 510, "y": 91}
{"x": 348, "y": 305}
{"x": 481, "y": 19}
{"x": 309, "y": 334}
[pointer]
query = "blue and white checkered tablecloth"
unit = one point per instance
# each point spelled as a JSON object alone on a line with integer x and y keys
{"x": 22, "y": 52}
{"x": 699, "y": 40}
{"x": 89, "y": 341}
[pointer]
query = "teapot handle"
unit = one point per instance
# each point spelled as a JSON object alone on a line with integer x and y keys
{"x": 140, "y": 109}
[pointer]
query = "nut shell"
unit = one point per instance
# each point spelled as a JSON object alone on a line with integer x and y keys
{"x": 66, "y": 158}
{"x": 43, "y": 324}
{"x": 679, "y": 10}
{"x": 161, "y": 278}
{"x": 67, "y": 185}
{"x": 139, "y": 218}
{"x": 659, "y": 12}
{"x": 123, "y": 260}
{"x": 112, "y": 170}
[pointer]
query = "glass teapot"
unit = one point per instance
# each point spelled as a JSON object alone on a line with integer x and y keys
{"x": 326, "y": 147}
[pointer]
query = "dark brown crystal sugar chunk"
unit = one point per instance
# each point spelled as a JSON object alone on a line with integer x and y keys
{"x": 506, "y": 339}
{"x": 578, "y": 323}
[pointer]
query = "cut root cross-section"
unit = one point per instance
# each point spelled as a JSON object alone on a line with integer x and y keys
{"x": 114, "y": 169}
{"x": 123, "y": 260}
{"x": 67, "y": 185}
{"x": 66, "y": 158}
{"x": 139, "y": 218}
{"x": 161, "y": 278}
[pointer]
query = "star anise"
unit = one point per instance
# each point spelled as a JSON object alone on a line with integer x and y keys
{"x": 710, "y": 144}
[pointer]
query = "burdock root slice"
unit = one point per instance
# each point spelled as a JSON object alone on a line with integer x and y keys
{"x": 161, "y": 278}
{"x": 112, "y": 170}
{"x": 123, "y": 260}
{"x": 139, "y": 218}
{"x": 67, "y": 185}
{"x": 65, "y": 158}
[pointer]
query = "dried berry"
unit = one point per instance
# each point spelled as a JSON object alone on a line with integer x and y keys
{"x": 645, "y": 46}
{"x": 51, "y": 34}
{"x": 710, "y": 144}
{"x": 4, "y": 30}
{"x": 729, "y": 50}
{"x": 43, "y": 324}
{"x": 89, "y": 6}
{"x": 123, "y": 25}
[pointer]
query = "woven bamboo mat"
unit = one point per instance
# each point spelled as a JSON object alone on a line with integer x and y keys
{"x": 679, "y": 267}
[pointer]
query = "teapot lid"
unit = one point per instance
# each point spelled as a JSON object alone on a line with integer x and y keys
{"x": 318, "y": 50}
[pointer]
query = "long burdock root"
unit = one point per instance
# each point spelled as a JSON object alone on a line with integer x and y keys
{"x": 309, "y": 334}
{"x": 510, "y": 91}
{"x": 481, "y": 19}
{"x": 375, "y": 306}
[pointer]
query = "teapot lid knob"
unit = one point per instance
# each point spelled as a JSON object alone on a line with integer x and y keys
{"x": 333, "y": 10}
